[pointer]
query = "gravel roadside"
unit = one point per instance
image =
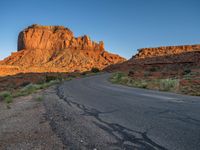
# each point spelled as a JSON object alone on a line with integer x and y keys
{"x": 24, "y": 126}
{"x": 75, "y": 126}
{"x": 49, "y": 121}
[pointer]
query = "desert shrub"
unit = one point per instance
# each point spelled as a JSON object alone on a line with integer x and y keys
{"x": 6, "y": 96}
{"x": 29, "y": 89}
{"x": 8, "y": 99}
{"x": 24, "y": 84}
{"x": 124, "y": 80}
{"x": 146, "y": 74}
{"x": 95, "y": 70}
{"x": 50, "y": 78}
{"x": 168, "y": 84}
{"x": 52, "y": 82}
{"x": 131, "y": 72}
{"x": 116, "y": 77}
{"x": 153, "y": 69}
{"x": 142, "y": 84}
{"x": 139, "y": 83}
{"x": 186, "y": 71}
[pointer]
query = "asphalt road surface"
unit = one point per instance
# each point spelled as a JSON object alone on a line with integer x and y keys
{"x": 142, "y": 119}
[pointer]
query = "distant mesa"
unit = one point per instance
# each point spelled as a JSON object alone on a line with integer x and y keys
{"x": 165, "y": 51}
{"x": 55, "y": 49}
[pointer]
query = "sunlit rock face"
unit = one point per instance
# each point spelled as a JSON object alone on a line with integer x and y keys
{"x": 55, "y": 49}
{"x": 54, "y": 38}
{"x": 165, "y": 51}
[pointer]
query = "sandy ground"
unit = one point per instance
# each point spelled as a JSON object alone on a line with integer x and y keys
{"x": 24, "y": 126}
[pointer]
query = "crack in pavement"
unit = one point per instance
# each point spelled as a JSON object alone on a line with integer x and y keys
{"x": 127, "y": 138}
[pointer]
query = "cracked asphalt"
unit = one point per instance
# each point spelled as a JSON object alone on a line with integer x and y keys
{"x": 92, "y": 113}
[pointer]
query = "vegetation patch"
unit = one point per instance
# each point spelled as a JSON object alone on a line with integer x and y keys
{"x": 169, "y": 84}
{"x": 157, "y": 84}
{"x": 154, "y": 69}
{"x": 31, "y": 88}
{"x": 124, "y": 79}
{"x": 28, "y": 84}
{"x": 190, "y": 83}
{"x": 95, "y": 70}
{"x": 6, "y": 97}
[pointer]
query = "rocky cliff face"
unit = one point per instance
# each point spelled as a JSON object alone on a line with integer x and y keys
{"x": 54, "y": 38}
{"x": 55, "y": 49}
{"x": 165, "y": 51}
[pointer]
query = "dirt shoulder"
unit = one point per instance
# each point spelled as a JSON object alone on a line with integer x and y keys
{"x": 78, "y": 126}
{"x": 24, "y": 126}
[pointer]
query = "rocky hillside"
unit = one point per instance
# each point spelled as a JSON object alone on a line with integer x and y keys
{"x": 172, "y": 68}
{"x": 55, "y": 49}
{"x": 164, "y": 61}
{"x": 165, "y": 51}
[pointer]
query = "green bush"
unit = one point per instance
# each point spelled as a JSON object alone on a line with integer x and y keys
{"x": 153, "y": 69}
{"x": 50, "y": 78}
{"x": 8, "y": 99}
{"x": 29, "y": 89}
{"x": 187, "y": 71}
{"x": 140, "y": 84}
{"x": 6, "y": 96}
{"x": 147, "y": 74}
{"x": 116, "y": 77}
{"x": 95, "y": 70}
{"x": 122, "y": 78}
{"x": 168, "y": 84}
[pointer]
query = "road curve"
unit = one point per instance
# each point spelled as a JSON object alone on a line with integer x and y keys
{"x": 156, "y": 120}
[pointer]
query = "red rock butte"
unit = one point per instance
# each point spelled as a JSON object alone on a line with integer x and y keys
{"x": 55, "y": 49}
{"x": 54, "y": 38}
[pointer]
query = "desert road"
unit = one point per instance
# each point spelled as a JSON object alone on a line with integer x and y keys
{"x": 133, "y": 118}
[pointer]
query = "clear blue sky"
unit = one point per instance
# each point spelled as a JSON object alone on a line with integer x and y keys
{"x": 124, "y": 25}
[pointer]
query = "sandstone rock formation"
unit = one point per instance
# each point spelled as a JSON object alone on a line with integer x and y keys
{"x": 165, "y": 51}
{"x": 164, "y": 61}
{"x": 54, "y": 38}
{"x": 55, "y": 49}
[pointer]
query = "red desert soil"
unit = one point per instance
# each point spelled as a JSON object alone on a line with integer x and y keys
{"x": 55, "y": 49}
